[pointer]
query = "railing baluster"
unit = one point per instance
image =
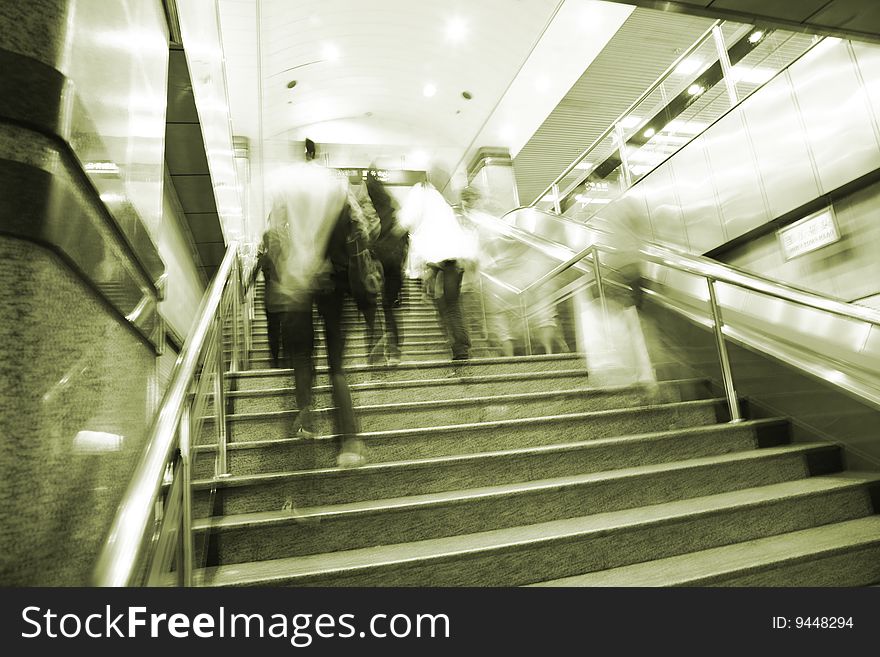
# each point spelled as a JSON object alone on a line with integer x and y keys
{"x": 220, "y": 405}
{"x": 186, "y": 534}
{"x": 726, "y": 372}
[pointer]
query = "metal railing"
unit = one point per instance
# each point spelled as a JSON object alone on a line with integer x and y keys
{"x": 712, "y": 272}
{"x": 151, "y": 539}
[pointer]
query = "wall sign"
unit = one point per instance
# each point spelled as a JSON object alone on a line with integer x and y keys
{"x": 387, "y": 176}
{"x": 808, "y": 234}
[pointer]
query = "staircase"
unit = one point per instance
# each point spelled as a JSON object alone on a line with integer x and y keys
{"x": 514, "y": 471}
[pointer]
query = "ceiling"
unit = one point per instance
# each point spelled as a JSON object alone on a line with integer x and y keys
{"x": 638, "y": 53}
{"x": 383, "y": 82}
{"x": 853, "y": 19}
{"x": 187, "y": 166}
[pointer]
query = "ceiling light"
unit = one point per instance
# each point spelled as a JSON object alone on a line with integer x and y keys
{"x": 456, "y": 29}
{"x": 757, "y": 75}
{"x": 756, "y": 36}
{"x": 330, "y": 52}
{"x": 650, "y": 132}
{"x": 688, "y": 66}
{"x": 429, "y": 90}
{"x": 467, "y": 95}
{"x": 291, "y": 84}
{"x": 695, "y": 90}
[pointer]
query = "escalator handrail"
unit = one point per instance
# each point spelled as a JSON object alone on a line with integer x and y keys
{"x": 118, "y": 562}
{"x": 711, "y": 269}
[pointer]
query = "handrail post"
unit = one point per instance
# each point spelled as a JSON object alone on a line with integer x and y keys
{"x": 726, "y": 372}
{"x": 557, "y": 206}
{"x": 527, "y": 337}
{"x": 600, "y": 284}
{"x": 186, "y": 534}
{"x": 247, "y": 296}
{"x": 485, "y": 333}
{"x": 220, "y": 469}
{"x": 234, "y": 310}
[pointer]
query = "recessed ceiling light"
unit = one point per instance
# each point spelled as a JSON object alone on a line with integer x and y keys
{"x": 467, "y": 95}
{"x": 456, "y": 29}
{"x": 429, "y": 90}
{"x": 330, "y": 52}
{"x": 650, "y": 132}
{"x": 695, "y": 90}
{"x": 291, "y": 84}
{"x": 688, "y": 66}
{"x": 756, "y": 36}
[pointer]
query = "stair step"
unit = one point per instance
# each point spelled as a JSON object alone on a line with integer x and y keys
{"x": 839, "y": 554}
{"x": 244, "y": 493}
{"x": 466, "y": 410}
{"x": 330, "y": 528}
{"x": 561, "y": 548}
{"x": 268, "y": 441}
{"x": 383, "y": 392}
{"x": 256, "y": 379}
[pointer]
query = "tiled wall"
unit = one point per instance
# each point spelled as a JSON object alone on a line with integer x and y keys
{"x": 77, "y": 381}
{"x": 848, "y": 269}
{"x": 69, "y": 366}
{"x": 809, "y": 131}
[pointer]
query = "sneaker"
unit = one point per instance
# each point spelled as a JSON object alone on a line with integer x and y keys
{"x": 304, "y": 424}
{"x": 350, "y": 460}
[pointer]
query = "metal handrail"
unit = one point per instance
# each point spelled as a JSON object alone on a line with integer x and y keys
{"x": 610, "y": 129}
{"x": 119, "y": 559}
{"x": 701, "y": 266}
{"x": 713, "y": 273}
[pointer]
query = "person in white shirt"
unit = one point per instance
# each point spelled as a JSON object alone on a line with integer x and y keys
{"x": 440, "y": 249}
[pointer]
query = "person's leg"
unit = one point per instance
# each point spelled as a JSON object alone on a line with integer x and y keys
{"x": 461, "y": 343}
{"x": 392, "y": 285}
{"x": 330, "y": 309}
{"x": 273, "y": 331}
{"x": 298, "y": 334}
{"x": 367, "y": 308}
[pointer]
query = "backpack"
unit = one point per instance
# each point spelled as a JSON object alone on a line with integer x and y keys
{"x": 364, "y": 271}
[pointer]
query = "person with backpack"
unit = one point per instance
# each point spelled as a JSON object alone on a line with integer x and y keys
{"x": 390, "y": 248}
{"x": 442, "y": 249}
{"x": 312, "y": 211}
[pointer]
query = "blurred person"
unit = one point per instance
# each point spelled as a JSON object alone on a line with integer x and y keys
{"x": 440, "y": 249}
{"x": 272, "y": 251}
{"x": 617, "y": 341}
{"x": 390, "y": 247}
{"x": 366, "y": 276}
{"x": 311, "y": 210}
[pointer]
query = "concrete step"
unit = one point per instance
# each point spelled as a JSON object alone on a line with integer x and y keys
{"x": 315, "y": 481}
{"x": 435, "y": 390}
{"x": 838, "y": 554}
{"x": 267, "y": 443}
{"x": 406, "y": 414}
{"x": 563, "y": 548}
{"x": 383, "y": 392}
{"x": 262, "y": 379}
{"x": 335, "y": 527}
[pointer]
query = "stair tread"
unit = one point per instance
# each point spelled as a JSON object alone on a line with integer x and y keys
{"x": 465, "y": 401}
{"x": 523, "y": 536}
{"x": 415, "y": 383}
{"x": 485, "y": 424}
{"x": 653, "y": 435}
{"x": 426, "y": 364}
{"x": 433, "y": 499}
{"x": 751, "y": 555}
